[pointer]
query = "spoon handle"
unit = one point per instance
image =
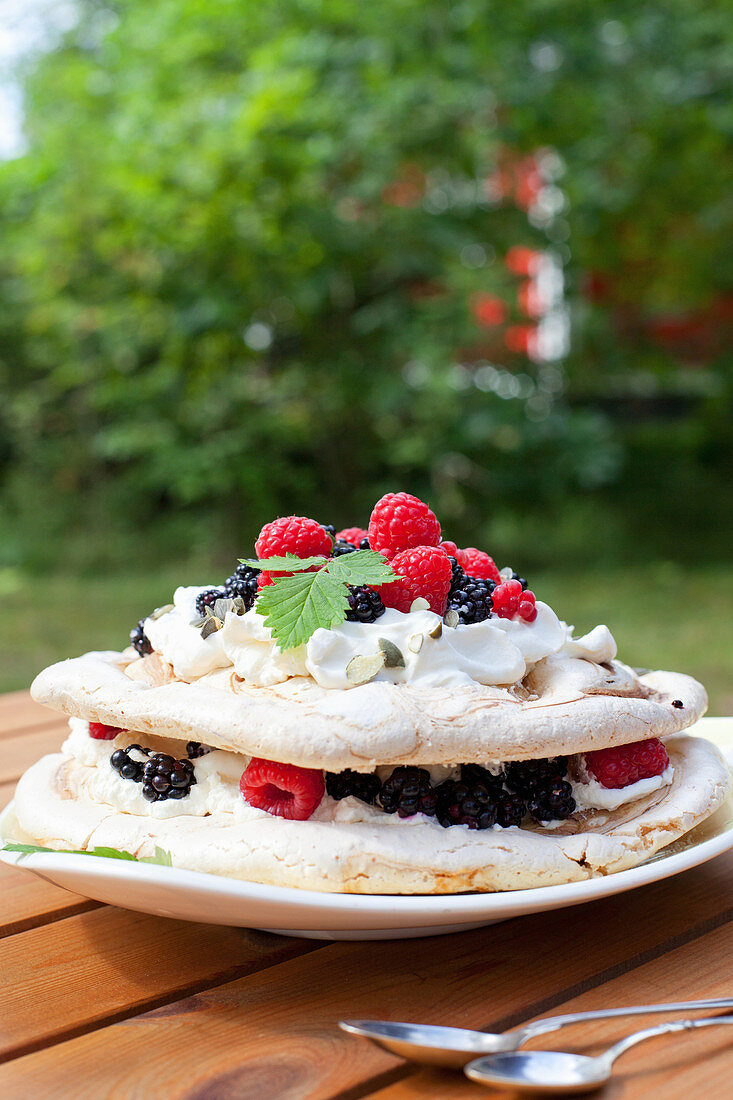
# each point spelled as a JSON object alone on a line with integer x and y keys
{"x": 554, "y": 1023}
{"x": 610, "y": 1056}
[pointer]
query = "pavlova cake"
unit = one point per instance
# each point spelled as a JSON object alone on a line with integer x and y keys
{"x": 370, "y": 711}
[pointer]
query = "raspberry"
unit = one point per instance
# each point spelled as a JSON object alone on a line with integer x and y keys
{"x": 450, "y": 548}
{"x": 401, "y": 521}
{"x": 296, "y": 535}
{"x": 354, "y": 535}
{"x": 264, "y": 578}
{"x": 511, "y": 600}
{"x": 478, "y": 564}
{"x": 100, "y": 732}
{"x": 619, "y": 767}
{"x": 282, "y": 789}
{"x": 425, "y": 571}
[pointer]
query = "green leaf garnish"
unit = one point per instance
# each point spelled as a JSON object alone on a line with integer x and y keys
{"x": 286, "y": 564}
{"x": 295, "y": 607}
{"x": 161, "y": 856}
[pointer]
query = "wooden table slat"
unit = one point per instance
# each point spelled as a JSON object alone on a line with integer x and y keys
{"x": 19, "y": 712}
{"x": 27, "y": 901}
{"x": 109, "y": 962}
{"x": 273, "y": 1033}
{"x": 20, "y": 750}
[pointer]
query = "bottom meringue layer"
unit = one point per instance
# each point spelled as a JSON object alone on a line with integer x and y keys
{"x": 59, "y": 804}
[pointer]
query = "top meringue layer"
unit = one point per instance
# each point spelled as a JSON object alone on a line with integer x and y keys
{"x": 494, "y": 652}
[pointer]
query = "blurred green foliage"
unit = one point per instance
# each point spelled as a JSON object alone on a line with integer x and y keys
{"x": 238, "y": 262}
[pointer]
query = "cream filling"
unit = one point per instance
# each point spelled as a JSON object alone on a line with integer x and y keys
{"x": 495, "y": 652}
{"x": 589, "y": 794}
{"x": 218, "y": 773}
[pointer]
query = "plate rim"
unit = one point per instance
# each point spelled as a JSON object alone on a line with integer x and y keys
{"x": 407, "y": 905}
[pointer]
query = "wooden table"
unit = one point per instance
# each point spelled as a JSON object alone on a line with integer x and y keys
{"x": 99, "y": 1002}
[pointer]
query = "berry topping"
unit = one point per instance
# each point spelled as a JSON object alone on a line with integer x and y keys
{"x": 282, "y": 789}
{"x": 296, "y": 535}
{"x": 363, "y": 785}
{"x": 470, "y": 597}
{"x": 100, "y": 732}
{"x": 625, "y": 764}
{"x": 139, "y": 639}
{"x": 208, "y": 598}
{"x": 161, "y": 775}
{"x": 511, "y": 601}
{"x": 511, "y": 810}
{"x": 365, "y": 605}
{"x": 408, "y": 791}
{"x": 425, "y": 571}
{"x": 354, "y": 535}
{"x": 194, "y": 749}
{"x": 472, "y": 800}
{"x": 478, "y": 564}
{"x": 242, "y": 583}
{"x": 401, "y": 521}
{"x": 341, "y": 546}
{"x": 541, "y": 783}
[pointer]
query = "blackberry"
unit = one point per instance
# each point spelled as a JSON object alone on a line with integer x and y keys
{"x": 408, "y": 791}
{"x": 364, "y": 544}
{"x": 341, "y": 546}
{"x": 522, "y": 581}
{"x": 472, "y": 600}
{"x": 511, "y": 810}
{"x": 542, "y": 785}
{"x": 363, "y": 785}
{"x": 330, "y": 528}
{"x": 208, "y": 598}
{"x": 194, "y": 749}
{"x": 139, "y": 639}
{"x": 161, "y": 775}
{"x": 554, "y": 803}
{"x": 459, "y": 577}
{"x": 531, "y": 777}
{"x": 472, "y": 800}
{"x": 243, "y": 582}
{"x": 365, "y": 605}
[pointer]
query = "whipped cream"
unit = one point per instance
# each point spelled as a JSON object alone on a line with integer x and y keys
{"x": 589, "y": 794}
{"x": 216, "y": 790}
{"x": 495, "y": 652}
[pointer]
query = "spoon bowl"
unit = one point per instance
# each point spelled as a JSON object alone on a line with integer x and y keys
{"x": 454, "y": 1047}
{"x": 431, "y": 1045}
{"x": 559, "y": 1071}
{"x": 540, "y": 1071}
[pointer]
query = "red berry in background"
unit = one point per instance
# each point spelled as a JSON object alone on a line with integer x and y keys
{"x": 264, "y": 579}
{"x": 521, "y": 339}
{"x": 510, "y": 601}
{"x": 488, "y": 310}
{"x": 625, "y": 764}
{"x": 296, "y": 535}
{"x": 425, "y": 571}
{"x": 400, "y": 521}
{"x": 354, "y": 535}
{"x": 450, "y": 548}
{"x": 522, "y": 261}
{"x": 478, "y": 564}
{"x": 100, "y": 732}
{"x": 283, "y": 790}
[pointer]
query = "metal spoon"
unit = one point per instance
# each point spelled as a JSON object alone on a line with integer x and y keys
{"x": 455, "y": 1046}
{"x": 556, "y": 1071}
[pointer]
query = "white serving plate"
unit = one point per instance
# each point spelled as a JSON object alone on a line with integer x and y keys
{"x": 213, "y": 899}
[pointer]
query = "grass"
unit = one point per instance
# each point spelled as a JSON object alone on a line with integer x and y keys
{"x": 660, "y": 616}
